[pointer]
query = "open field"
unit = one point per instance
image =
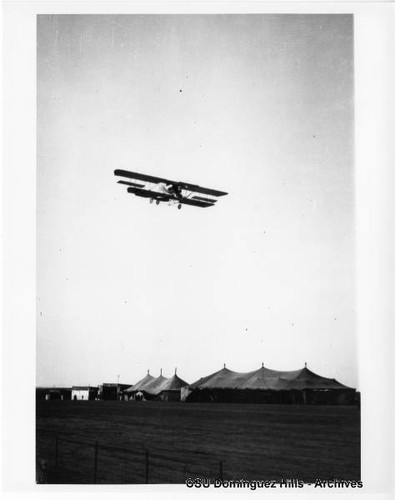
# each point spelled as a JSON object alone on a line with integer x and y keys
{"x": 235, "y": 441}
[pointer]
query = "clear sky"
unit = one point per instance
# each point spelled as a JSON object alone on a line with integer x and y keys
{"x": 260, "y": 106}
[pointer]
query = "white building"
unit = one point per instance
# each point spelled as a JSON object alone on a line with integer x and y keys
{"x": 83, "y": 393}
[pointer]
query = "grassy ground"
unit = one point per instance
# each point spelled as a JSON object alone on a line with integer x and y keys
{"x": 251, "y": 441}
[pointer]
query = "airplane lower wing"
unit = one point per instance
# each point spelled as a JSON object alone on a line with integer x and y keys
{"x": 195, "y": 203}
{"x": 201, "y": 198}
{"x": 202, "y": 190}
{"x": 134, "y": 184}
{"x": 145, "y": 193}
{"x": 160, "y": 196}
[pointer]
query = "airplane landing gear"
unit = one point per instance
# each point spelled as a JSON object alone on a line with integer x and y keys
{"x": 157, "y": 202}
{"x": 151, "y": 200}
{"x": 179, "y": 206}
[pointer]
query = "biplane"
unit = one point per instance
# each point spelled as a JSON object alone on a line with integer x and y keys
{"x": 164, "y": 190}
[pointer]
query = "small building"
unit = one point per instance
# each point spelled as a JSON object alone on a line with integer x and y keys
{"x": 84, "y": 393}
{"x": 51, "y": 393}
{"x": 112, "y": 392}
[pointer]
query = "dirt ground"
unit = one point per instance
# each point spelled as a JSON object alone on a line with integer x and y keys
{"x": 168, "y": 442}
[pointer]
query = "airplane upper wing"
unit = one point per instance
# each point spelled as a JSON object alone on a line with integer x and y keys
{"x": 142, "y": 177}
{"x": 183, "y": 185}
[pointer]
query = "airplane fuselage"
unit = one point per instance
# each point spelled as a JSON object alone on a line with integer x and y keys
{"x": 171, "y": 190}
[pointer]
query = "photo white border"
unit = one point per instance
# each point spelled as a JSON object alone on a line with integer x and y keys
{"x": 374, "y": 80}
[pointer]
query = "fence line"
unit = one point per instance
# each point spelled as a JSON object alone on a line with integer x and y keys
{"x": 149, "y": 459}
{"x": 146, "y": 467}
{"x": 96, "y": 453}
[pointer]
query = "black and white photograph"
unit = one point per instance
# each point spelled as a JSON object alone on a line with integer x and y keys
{"x": 198, "y": 296}
{"x": 195, "y": 249}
